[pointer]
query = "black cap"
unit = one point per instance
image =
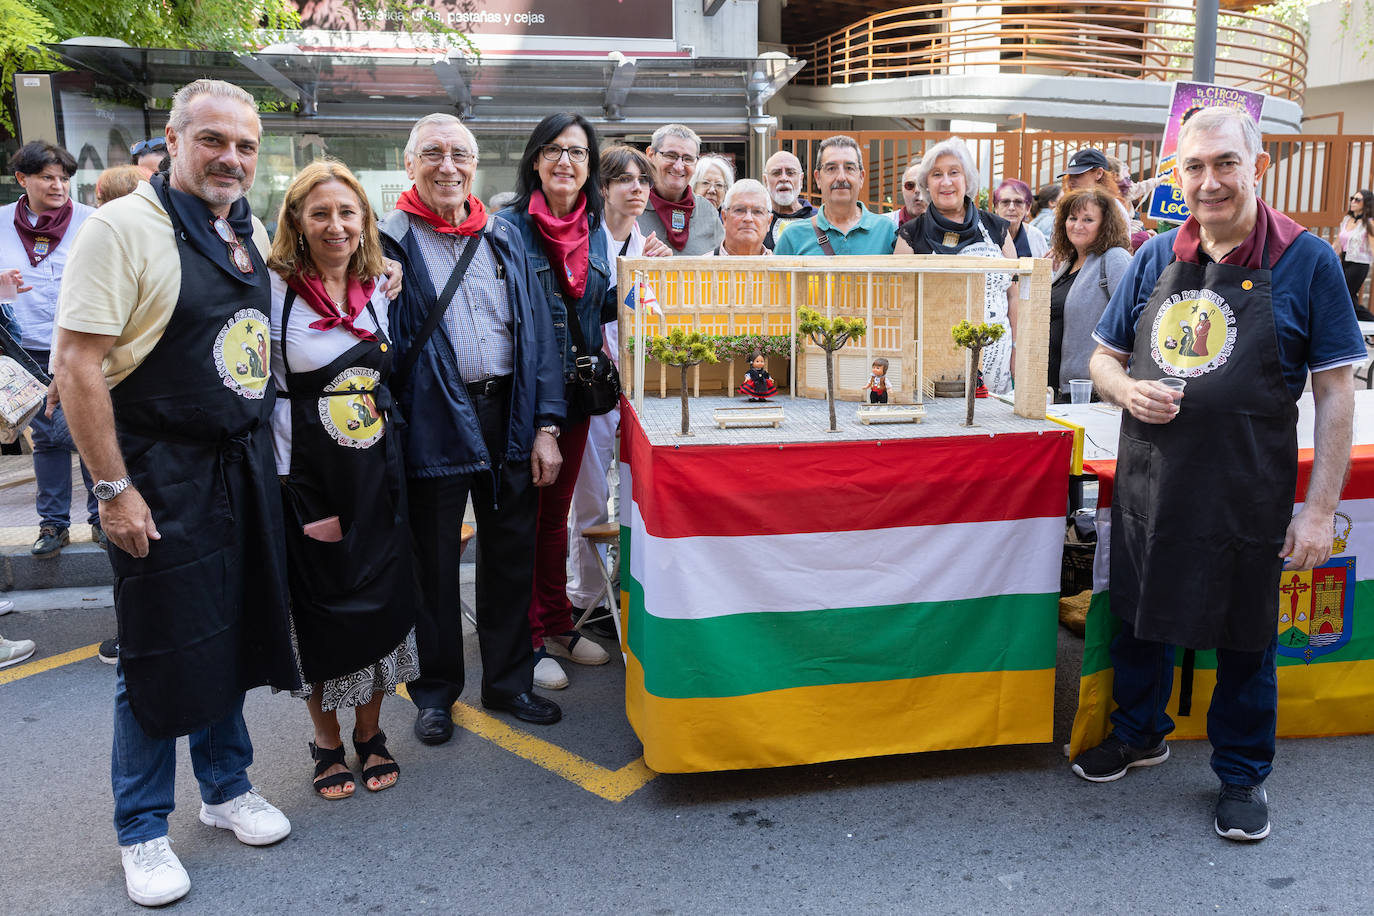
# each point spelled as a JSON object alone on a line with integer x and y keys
{"x": 1085, "y": 160}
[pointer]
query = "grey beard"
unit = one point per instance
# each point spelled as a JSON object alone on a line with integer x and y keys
{"x": 785, "y": 201}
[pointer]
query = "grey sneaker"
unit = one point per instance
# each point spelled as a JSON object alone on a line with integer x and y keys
{"x": 14, "y": 651}
{"x": 51, "y": 540}
{"x": 1242, "y": 813}
{"x": 1111, "y": 759}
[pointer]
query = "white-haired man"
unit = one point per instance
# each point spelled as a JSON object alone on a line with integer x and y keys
{"x": 745, "y": 214}
{"x": 1266, "y": 304}
{"x": 480, "y": 384}
{"x": 783, "y": 175}
{"x": 688, "y": 223}
{"x": 165, "y": 290}
{"x": 843, "y": 225}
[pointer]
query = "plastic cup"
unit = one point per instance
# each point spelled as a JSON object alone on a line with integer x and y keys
{"x": 8, "y": 288}
{"x": 1174, "y": 384}
{"x": 1080, "y": 390}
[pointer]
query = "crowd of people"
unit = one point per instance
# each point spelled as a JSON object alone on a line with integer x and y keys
{"x": 237, "y": 403}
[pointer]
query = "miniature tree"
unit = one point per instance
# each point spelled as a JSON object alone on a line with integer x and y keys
{"x": 975, "y": 337}
{"x": 679, "y": 348}
{"x": 830, "y": 334}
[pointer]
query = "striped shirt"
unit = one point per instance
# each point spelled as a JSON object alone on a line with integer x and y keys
{"x": 479, "y": 320}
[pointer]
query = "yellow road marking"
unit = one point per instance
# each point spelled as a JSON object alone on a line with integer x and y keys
{"x": 612, "y": 785}
{"x": 19, "y": 672}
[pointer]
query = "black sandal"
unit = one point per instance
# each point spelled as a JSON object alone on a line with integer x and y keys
{"x": 376, "y": 747}
{"x": 326, "y": 757}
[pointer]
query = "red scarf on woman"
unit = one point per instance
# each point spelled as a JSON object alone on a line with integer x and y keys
{"x": 665, "y": 209}
{"x": 310, "y": 289}
{"x": 566, "y": 240}
{"x": 411, "y": 203}
{"x": 1271, "y": 226}
{"x": 41, "y": 238}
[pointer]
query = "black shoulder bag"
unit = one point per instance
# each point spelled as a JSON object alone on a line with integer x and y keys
{"x": 594, "y": 388}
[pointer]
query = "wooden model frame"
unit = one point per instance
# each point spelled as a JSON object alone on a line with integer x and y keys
{"x": 909, "y": 302}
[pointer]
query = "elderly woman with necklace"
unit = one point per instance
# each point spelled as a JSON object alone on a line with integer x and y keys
{"x": 343, "y": 485}
{"x": 953, "y": 224}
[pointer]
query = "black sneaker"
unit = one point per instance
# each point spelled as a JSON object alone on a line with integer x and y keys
{"x": 1242, "y": 813}
{"x": 51, "y": 540}
{"x": 109, "y": 651}
{"x": 98, "y": 536}
{"x": 1113, "y": 757}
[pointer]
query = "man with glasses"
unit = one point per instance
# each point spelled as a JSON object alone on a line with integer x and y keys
{"x": 673, "y": 213}
{"x": 746, "y": 219}
{"x": 843, "y": 225}
{"x": 782, "y": 173}
{"x": 148, "y": 155}
{"x": 480, "y": 383}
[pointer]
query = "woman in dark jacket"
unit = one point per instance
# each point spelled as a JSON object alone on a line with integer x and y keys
{"x": 558, "y": 216}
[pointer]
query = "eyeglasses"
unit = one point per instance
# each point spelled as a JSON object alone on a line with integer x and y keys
{"x": 237, "y": 250}
{"x": 712, "y": 185}
{"x": 155, "y": 145}
{"x": 685, "y": 159}
{"x": 553, "y": 152}
{"x": 850, "y": 168}
{"x": 627, "y": 179}
{"x": 437, "y": 156}
{"x": 755, "y": 212}
{"x": 1011, "y": 202}
{"x": 790, "y": 173}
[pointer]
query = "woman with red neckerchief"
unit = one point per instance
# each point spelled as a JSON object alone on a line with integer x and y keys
{"x": 558, "y": 217}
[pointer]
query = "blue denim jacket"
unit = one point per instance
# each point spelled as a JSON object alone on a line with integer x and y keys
{"x": 594, "y": 298}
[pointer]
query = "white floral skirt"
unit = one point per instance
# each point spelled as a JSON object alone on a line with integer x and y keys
{"x": 398, "y": 666}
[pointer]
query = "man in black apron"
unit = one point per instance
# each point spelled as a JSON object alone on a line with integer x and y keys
{"x": 162, "y": 359}
{"x": 1202, "y": 511}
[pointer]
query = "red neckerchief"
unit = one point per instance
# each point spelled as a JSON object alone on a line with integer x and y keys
{"x": 906, "y": 216}
{"x": 565, "y": 240}
{"x": 310, "y": 289}
{"x": 665, "y": 209}
{"x": 44, "y": 235}
{"x": 1271, "y": 226}
{"x": 411, "y": 203}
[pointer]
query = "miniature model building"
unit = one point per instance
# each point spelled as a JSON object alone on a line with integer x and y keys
{"x": 909, "y": 304}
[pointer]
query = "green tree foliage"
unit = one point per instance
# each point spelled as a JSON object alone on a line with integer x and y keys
{"x": 684, "y": 350}
{"x": 830, "y": 334}
{"x": 975, "y": 337}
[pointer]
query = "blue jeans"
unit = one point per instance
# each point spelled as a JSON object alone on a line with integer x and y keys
{"x": 52, "y": 466}
{"x": 143, "y": 769}
{"x": 1241, "y": 721}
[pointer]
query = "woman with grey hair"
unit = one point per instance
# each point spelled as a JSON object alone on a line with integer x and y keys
{"x": 713, "y": 179}
{"x": 953, "y": 224}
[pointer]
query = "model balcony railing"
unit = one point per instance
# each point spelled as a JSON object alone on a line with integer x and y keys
{"x": 1145, "y": 40}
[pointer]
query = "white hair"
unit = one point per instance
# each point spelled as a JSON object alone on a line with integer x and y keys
{"x": 714, "y": 162}
{"x": 681, "y": 131}
{"x": 1216, "y": 119}
{"x": 742, "y": 187}
{"x": 438, "y": 117}
{"x": 180, "y": 117}
{"x": 956, "y": 147}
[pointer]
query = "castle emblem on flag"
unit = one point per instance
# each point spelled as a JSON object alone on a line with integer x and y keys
{"x": 1316, "y": 609}
{"x": 1340, "y": 532}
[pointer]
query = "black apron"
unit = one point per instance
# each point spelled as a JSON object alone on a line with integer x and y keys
{"x": 352, "y": 600}
{"x": 202, "y": 618}
{"x": 1201, "y": 503}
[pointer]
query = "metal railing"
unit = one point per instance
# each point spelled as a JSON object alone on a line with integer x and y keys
{"x": 1145, "y": 40}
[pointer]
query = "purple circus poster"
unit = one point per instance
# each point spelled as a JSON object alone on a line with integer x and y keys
{"x": 1167, "y": 202}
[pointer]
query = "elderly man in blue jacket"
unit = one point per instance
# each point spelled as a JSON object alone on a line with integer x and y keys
{"x": 478, "y": 381}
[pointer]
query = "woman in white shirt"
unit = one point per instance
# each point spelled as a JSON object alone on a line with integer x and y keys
{"x": 1354, "y": 242}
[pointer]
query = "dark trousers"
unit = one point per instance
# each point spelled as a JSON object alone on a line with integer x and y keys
{"x": 505, "y": 572}
{"x": 1241, "y": 721}
{"x": 1355, "y": 275}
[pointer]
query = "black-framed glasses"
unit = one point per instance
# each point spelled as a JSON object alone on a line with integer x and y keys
{"x": 685, "y": 158}
{"x": 644, "y": 181}
{"x": 237, "y": 250}
{"x": 458, "y": 156}
{"x": 155, "y": 145}
{"x": 552, "y": 152}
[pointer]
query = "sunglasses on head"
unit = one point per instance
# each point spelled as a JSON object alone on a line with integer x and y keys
{"x": 155, "y": 145}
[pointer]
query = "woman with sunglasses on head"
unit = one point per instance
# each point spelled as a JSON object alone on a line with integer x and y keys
{"x": 1012, "y": 201}
{"x": 913, "y": 197}
{"x": 558, "y": 217}
{"x": 1354, "y": 242}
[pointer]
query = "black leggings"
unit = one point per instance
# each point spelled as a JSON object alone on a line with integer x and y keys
{"x": 1355, "y": 275}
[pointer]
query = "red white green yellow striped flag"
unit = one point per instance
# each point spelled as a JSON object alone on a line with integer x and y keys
{"x": 821, "y": 601}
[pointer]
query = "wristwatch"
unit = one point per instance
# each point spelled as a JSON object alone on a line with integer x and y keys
{"x": 106, "y": 490}
{"x": 551, "y": 430}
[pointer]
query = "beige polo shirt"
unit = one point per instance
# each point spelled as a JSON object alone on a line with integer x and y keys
{"x": 123, "y": 278}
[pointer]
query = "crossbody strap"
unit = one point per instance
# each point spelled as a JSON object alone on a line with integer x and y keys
{"x": 822, "y": 239}
{"x": 441, "y": 304}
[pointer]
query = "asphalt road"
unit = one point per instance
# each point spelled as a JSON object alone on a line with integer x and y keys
{"x": 477, "y": 827}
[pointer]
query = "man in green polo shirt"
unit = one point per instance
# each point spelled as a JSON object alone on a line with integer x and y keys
{"x": 843, "y": 225}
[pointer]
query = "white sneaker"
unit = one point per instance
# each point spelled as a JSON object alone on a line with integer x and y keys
{"x": 152, "y": 872}
{"x": 253, "y": 820}
{"x": 14, "y": 651}
{"x": 548, "y": 673}
{"x": 577, "y": 648}
{"x": 6, "y": 605}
